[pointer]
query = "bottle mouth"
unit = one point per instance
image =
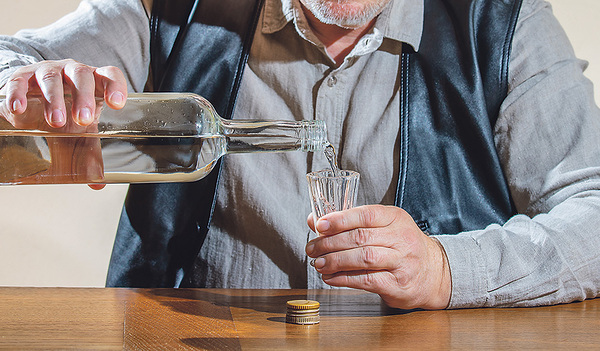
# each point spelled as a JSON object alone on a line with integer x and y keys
{"x": 313, "y": 136}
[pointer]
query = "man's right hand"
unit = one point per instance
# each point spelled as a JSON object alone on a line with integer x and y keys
{"x": 54, "y": 79}
{"x": 71, "y": 162}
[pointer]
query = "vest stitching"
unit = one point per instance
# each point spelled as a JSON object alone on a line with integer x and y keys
{"x": 507, "y": 47}
{"x": 404, "y": 137}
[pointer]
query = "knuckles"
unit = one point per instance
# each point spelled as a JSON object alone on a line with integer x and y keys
{"x": 79, "y": 69}
{"x": 361, "y": 237}
{"x": 112, "y": 68}
{"x": 369, "y": 214}
{"x": 369, "y": 256}
{"x": 49, "y": 75}
{"x": 370, "y": 280}
{"x": 17, "y": 79}
{"x": 110, "y": 71}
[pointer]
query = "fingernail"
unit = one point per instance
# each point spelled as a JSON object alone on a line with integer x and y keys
{"x": 16, "y": 106}
{"x": 322, "y": 225}
{"x": 117, "y": 98}
{"x": 85, "y": 116}
{"x": 57, "y": 117}
{"x": 310, "y": 247}
{"x": 319, "y": 263}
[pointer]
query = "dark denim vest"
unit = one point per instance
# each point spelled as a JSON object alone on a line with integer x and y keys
{"x": 450, "y": 177}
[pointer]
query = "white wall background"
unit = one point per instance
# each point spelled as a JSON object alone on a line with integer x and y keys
{"x": 62, "y": 235}
{"x": 53, "y": 235}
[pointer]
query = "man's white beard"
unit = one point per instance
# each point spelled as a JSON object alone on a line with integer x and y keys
{"x": 345, "y": 13}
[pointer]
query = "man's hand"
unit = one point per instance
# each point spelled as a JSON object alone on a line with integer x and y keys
{"x": 72, "y": 160}
{"x": 380, "y": 249}
{"x": 53, "y": 79}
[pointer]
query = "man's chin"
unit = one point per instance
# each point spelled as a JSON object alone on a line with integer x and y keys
{"x": 349, "y": 15}
{"x": 344, "y": 23}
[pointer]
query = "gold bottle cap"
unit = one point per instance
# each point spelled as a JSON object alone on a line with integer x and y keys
{"x": 302, "y": 305}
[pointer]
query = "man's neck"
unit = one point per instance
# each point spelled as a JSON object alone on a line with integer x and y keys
{"x": 338, "y": 41}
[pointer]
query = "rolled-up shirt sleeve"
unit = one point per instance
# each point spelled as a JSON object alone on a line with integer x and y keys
{"x": 99, "y": 33}
{"x": 548, "y": 139}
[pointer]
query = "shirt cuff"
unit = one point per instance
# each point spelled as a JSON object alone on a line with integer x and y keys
{"x": 467, "y": 269}
{"x": 5, "y": 73}
{"x": 10, "y": 62}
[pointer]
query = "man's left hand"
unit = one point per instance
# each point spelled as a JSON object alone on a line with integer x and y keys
{"x": 381, "y": 249}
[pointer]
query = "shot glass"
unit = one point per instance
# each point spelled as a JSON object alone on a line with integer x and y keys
{"x": 330, "y": 193}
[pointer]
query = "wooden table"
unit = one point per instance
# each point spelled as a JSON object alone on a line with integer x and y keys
{"x": 168, "y": 319}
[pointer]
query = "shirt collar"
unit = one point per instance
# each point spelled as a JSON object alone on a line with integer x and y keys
{"x": 401, "y": 20}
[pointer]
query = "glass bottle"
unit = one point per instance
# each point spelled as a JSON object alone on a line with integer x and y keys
{"x": 156, "y": 137}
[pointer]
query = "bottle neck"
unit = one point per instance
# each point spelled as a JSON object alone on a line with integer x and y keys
{"x": 263, "y": 136}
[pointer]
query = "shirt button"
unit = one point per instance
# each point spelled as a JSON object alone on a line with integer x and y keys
{"x": 331, "y": 81}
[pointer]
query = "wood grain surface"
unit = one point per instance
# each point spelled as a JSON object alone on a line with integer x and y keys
{"x": 213, "y": 319}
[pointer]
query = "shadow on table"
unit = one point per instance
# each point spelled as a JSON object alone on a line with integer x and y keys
{"x": 204, "y": 319}
{"x": 348, "y": 303}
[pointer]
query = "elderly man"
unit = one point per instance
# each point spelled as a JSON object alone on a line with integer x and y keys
{"x": 471, "y": 123}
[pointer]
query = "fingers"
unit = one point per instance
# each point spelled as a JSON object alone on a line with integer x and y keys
{"x": 359, "y": 217}
{"x": 373, "y": 225}
{"x": 82, "y": 82}
{"x": 416, "y": 279}
{"x": 369, "y": 280}
{"x": 361, "y": 237}
{"x": 16, "y": 90}
{"x": 386, "y": 285}
{"x": 362, "y": 258}
{"x": 55, "y": 78}
{"x": 49, "y": 79}
{"x": 111, "y": 82}
{"x": 311, "y": 221}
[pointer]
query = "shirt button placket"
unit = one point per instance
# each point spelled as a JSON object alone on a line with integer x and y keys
{"x": 327, "y": 109}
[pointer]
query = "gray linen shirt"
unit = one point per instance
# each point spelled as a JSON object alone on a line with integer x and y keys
{"x": 546, "y": 136}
